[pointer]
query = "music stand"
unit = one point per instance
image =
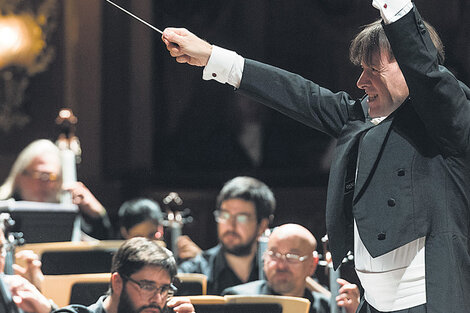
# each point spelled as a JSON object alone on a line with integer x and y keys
{"x": 42, "y": 221}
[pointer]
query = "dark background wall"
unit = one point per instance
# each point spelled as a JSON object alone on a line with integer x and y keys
{"x": 149, "y": 126}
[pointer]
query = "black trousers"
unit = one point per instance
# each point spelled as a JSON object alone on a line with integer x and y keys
{"x": 365, "y": 307}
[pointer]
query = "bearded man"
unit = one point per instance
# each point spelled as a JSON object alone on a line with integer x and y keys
{"x": 244, "y": 209}
{"x": 142, "y": 275}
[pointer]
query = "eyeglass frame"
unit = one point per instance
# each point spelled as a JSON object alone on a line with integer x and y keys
{"x": 42, "y": 176}
{"x": 221, "y": 220}
{"x": 170, "y": 292}
{"x": 275, "y": 256}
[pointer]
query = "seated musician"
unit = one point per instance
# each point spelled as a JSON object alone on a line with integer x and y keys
{"x": 142, "y": 217}
{"x": 25, "y": 285}
{"x": 36, "y": 175}
{"x": 288, "y": 261}
{"x": 142, "y": 276}
{"x": 244, "y": 208}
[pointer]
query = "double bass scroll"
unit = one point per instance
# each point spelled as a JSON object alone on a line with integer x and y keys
{"x": 69, "y": 146}
{"x": 12, "y": 240}
{"x": 70, "y": 155}
{"x": 176, "y": 217}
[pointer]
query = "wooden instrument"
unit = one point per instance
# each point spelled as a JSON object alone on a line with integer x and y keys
{"x": 12, "y": 240}
{"x": 332, "y": 274}
{"x": 70, "y": 151}
{"x": 262, "y": 247}
{"x": 176, "y": 217}
{"x": 70, "y": 155}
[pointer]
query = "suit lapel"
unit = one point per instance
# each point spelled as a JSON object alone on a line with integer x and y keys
{"x": 339, "y": 213}
{"x": 369, "y": 153}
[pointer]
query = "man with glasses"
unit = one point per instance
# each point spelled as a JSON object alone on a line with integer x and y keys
{"x": 245, "y": 207}
{"x": 289, "y": 259}
{"x": 142, "y": 276}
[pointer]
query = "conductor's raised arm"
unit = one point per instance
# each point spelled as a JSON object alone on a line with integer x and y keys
{"x": 186, "y": 47}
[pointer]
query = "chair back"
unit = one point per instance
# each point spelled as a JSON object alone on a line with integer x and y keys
{"x": 60, "y": 258}
{"x": 191, "y": 284}
{"x": 86, "y": 293}
{"x": 69, "y": 289}
{"x": 76, "y": 262}
{"x": 207, "y": 299}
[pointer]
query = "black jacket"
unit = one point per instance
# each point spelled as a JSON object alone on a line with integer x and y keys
{"x": 213, "y": 264}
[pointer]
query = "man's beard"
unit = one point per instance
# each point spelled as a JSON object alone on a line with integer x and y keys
{"x": 126, "y": 306}
{"x": 241, "y": 249}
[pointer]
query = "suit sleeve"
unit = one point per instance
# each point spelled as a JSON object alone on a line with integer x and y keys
{"x": 437, "y": 96}
{"x": 296, "y": 97}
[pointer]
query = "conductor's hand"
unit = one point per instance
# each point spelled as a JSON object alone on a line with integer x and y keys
{"x": 186, "y": 47}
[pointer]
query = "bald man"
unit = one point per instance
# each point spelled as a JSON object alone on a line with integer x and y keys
{"x": 289, "y": 259}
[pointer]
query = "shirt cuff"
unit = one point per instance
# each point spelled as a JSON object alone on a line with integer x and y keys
{"x": 392, "y": 10}
{"x": 224, "y": 66}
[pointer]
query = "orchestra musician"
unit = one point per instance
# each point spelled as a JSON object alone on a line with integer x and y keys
{"x": 244, "y": 208}
{"x": 143, "y": 217}
{"x": 141, "y": 280}
{"x": 25, "y": 285}
{"x": 36, "y": 175}
{"x": 289, "y": 260}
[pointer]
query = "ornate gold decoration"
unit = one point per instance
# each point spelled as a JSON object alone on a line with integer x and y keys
{"x": 25, "y": 31}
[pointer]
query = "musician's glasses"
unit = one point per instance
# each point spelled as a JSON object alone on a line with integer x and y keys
{"x": 42, "y": 176}
{"x": 149, "y": 289}
{"x": 224, "y": 217}
{"x": 290, "y": 258}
